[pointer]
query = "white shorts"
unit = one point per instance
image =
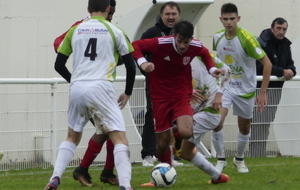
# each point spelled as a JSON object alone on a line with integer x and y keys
{"x": 241, "y": 107}
{"x": 203, "y": 123}
{"x": 96, "y": 99}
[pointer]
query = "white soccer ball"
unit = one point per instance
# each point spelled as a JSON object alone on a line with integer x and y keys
{"x": 163, "y": 175}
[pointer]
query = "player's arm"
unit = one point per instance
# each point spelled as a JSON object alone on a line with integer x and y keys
{"x": 209, "y": 63}
{"x": 261, "y": 99}
{"x": 144, "y": 45}
{"x": 130, "y": 78}
{"x": 60, "y": 66}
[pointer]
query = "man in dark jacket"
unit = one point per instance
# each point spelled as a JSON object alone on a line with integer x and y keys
{"x": 278, "y": 49}
{"x": 169, "y": 15}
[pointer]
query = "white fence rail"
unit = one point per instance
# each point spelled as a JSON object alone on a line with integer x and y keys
{"x": 33, "y": 122}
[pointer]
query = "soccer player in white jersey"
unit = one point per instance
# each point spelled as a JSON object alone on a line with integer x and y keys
{"x": 207, "y": 99}
{"x": 96, "y": 45}
{"x": 238, "y": 48}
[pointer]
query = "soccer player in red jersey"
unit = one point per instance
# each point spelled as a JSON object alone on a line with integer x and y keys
{"x": 170, "y": 82}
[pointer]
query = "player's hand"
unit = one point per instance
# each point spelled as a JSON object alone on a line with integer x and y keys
{"x": 218, "y": 72}
{"x": 123, "y": 98}
{"x": 196, "y": 96}
{"x": 288, "y": 74}
{"x": 147, "y": 67}
{"x": 261, "y": 101}
{"x": 217, "y": 102}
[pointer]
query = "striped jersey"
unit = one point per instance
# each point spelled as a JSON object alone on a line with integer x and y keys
{"x": 96, "y": 45}
{"x": 172, "y": 76}
{"x": 240, "y": 54}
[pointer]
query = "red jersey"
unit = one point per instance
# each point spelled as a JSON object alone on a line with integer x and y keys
{"x": 172, "y": 75}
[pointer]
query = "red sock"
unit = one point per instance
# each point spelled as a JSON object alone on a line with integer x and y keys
{"x": 90, "y": 154}
{"x": 176, "y": 134}
{"x": 165, "y": 158}
{"x": 110, "y": 163}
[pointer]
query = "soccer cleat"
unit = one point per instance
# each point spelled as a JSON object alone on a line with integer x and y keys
{"x": 149, "y": 184}
{"x": 111, "y": 179}
{"x": 82, "y": 176}
{"x": 176, "y": 163}
{"x": 52, "y": 185}
{"x": 177, "y": 152}
{"x": 148, "y": 161}
{"x": 222, "y": 179}
{"x": 221, "y": 164}
{"x": 241, "y": 166}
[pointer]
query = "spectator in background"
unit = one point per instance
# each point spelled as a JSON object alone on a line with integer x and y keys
{"x": 277, "y": 48}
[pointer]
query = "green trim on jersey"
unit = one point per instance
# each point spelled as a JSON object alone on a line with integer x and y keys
{"x": 249, "y": 43}
{"x": 248, "y": 96}
{"x": 67, "y": 50}
{"x": 211, "y": 110}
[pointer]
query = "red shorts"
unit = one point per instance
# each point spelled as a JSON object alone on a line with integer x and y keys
{"x": 166, "y": 113}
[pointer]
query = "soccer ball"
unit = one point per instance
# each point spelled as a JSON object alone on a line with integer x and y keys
{"x": 163, "y": 175}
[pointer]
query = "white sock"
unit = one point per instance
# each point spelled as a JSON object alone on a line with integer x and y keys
{"x": 242, "y": 143}
{"x": 200, "y": 161}
{"x": 64, "y": 157}
{"x": 218, "y": 142}
{"x": 123, "y": 165}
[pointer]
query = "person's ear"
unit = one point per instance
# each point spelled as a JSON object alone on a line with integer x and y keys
{"x": 88, "y": 9}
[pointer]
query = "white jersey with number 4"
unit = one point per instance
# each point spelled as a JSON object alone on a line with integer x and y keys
{"x": 96, "y": 45}
{"x": 239, "y": 53}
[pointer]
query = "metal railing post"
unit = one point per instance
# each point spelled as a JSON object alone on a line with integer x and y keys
{"x": 53, "y": 122}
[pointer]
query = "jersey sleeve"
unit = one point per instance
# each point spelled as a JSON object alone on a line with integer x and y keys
{"x": 58, "y": 41}
{"x": 206, "y": 58}
{"x": 144, "y": 45}
{"x": 123, "y": 44}
{"x": 66, "y": 46}
{"x": 251, "y": 45}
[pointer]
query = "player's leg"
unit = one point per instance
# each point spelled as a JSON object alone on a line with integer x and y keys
{"x": 217, "y": 134}
{"x": 163, "y": 148}
{"x": 243, "y": 108}
{"x": 121, "y": 157}
{"x": 77, "y": 119}
{"x": 94, "y": 147}
{"x": 65, "y": 155}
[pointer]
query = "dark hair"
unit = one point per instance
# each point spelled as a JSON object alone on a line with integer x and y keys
{"x": 184, "y": 28}
{"x": 229, "y": 8}
{"x": 279, "y": 21}
{"x": 113, "y": 3}
{"x": 98, "y": 5}
{"x": 171, "y": 4}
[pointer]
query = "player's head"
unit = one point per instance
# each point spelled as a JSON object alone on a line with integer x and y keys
{"x": 183, "y": 33}
{"x": 112, "y": 10}
{"x": 279, "y": 27}
{"x": 98, "y": 6}
{"x": 229, "y": 16}
{"x": 169, "y": 13}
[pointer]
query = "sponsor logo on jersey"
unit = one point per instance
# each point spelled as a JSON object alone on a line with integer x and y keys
{"x": 186, "y": 60}
{"x": 92, "y": 31}
{"x": 235, "y": 84}
{"x": 228, "y": 49}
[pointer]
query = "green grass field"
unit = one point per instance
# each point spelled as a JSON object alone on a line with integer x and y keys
{"x": 276, "y": 173}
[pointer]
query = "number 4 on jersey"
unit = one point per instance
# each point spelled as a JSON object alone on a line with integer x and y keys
{"x": 90, "y": 50}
